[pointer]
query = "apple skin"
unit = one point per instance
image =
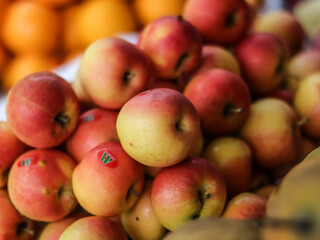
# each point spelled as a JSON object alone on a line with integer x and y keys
{"x": 215, "y": 93}
{"x": 95, "y": 126}
{"x": 173, "y": 45}
{"x": 108, "y": 188}
{"x": 290, "y": 30}
{"x": 215, "y": 56}
{"x": 140, "y": 221}
{"x": 266, "y": 191}
{"x": 272, "y": 132}
{"x": 113, "y": 70}
{"x": 283, "y": 94}
{"x": 306, "y": 103}
{"x": 233, "y": 158}
{"x": 94, "y": 228}
{"x": 159, "y": 127}
{"x": 245, "y": 205}
{"x": 219, "y": 22}
{"x": 300, "y": 65}
{"x": 189, "y": 190}
{"x": 53, "y": 230}
{"x": 11, "y": 148}
{"x": 39, "y": 184}
{"x": 262, "y": 58}
{"x": 13, "y": 225}
{"x": 42, "y": 110}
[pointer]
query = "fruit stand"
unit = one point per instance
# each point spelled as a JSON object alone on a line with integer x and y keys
{"x": 180, "y": 119}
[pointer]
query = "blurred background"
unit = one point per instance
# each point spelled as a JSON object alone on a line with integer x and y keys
{"x": 38, "y": 35}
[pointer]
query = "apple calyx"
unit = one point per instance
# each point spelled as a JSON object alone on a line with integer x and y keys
{"x": 230, "y": 20}
{"x": 127, "y": 77}
{"x": 179, "y": 18}
{"x": 302, "y": 225}
{"x": 62, "y": 119}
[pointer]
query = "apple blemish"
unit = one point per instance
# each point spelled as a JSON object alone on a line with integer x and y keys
{"x": 107, "y": 159}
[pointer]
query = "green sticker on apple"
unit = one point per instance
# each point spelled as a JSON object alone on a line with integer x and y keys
{"x": 28, "y": 161}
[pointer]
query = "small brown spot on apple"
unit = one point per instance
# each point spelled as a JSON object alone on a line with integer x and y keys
{"x": 137, "y": 218}
{"x": 45, "y": 191}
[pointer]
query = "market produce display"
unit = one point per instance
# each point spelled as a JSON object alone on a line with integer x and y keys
{"x": 205, "y": 127}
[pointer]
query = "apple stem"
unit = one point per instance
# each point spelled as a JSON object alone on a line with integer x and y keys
{"x": 302, "y": 225}
{"x": 302, "y": 121}
{"x": 128, "y": 76}
{"x": 232, "y": 109}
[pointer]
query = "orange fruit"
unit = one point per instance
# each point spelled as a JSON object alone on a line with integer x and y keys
{"x": 104, "y": 18}
{"x": 56, "y": 3}
{"x": 30, "y": 27}
{"x": 148, "y": 11}
{"x": 24, "y": 64}
{"x": 71, "y": 41}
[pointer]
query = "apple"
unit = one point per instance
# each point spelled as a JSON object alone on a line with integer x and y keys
{"x": 11, "y": 148}
{"x": 219, "y": 22}
{"x": 272, "y": 132}
{"x": 306, "y": 104}
{"x": 285, "y": 25}
{"x": 140, "y": 221}
{"x": 262, "y": 58}
{"x": 256, "y": 6}
{"x": 191, "y": 189}
{"x": 113, "y": 70}
{"x": 172, "y": 44}
{"x": 284, "y": 94}
{"x": 39, "y": 184}
{"x": 233, "y": 158}
{"x": 95, "y": 126}
{"x": 84, "y": 99}
{"x": 215, "y": 56}
{"x": 53, "y": 230}
{"x": 107, "y": 181}
{"x": 159, "y": 127}
{"x": 222, "y": 100}
{"x": 300, "y": 65}
{"x": 245, "y": 205}
{"x": 42, "y": 110}
{"x": 13, "y": 225}
{"x": 94, "y": 228}
{"x": 266, "y": 191}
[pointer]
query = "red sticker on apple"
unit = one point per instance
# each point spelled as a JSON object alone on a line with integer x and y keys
{"x": 90, "y": 117}
{"x": 28, "y": 161}
{"x": 107, "y": 159}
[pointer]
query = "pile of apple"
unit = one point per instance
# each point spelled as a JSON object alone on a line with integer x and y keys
{"x": 206, "y": 128}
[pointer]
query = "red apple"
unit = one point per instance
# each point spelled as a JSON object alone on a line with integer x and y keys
{"x": 159, "y": 127}
{"x": 140, "y": 221}
{"x": 13, "y": 226}
{"x": 113, "y": 70}
{"x": 95, "y": 126}
{"x": 39, "y": 184}
{"x": 285, "y": 25}
{"x": 173, "y": 45}
{"x": 42, "y": 110}
{"x": 189, "y": 190}
{"x": 222, "y": 100}
{"x": 215, "y": 56}
{"x": 108, "y": 181}
{"x": 219, "y": 22}
{"x": 246, "y": 205}
{"x": 262, "y": 58}
{"x": 233, "y": 158}
{"x": 11, "y": 148}
{"x": 94, "y": 228}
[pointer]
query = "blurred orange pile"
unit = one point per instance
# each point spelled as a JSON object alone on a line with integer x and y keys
{"x": 38, "y": 35}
